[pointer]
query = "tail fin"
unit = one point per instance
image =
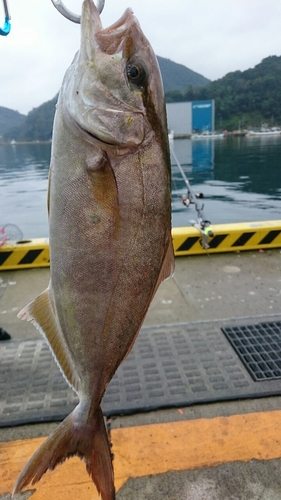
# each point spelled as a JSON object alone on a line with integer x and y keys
{"x": 86, "y": 440}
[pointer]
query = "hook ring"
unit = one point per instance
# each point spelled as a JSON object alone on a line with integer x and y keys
{"x": 75, "y": 18}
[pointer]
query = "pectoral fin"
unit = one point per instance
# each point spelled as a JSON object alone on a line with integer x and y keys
{"x": 42, "y": 314}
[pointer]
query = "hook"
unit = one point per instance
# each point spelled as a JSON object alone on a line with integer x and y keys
{"x": 75, "y": 18}
{"x": 7, "y": 25}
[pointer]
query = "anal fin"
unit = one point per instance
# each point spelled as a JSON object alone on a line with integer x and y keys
{"x": 42, "y": 314}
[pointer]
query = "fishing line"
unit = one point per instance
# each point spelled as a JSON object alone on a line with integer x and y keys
{"x": 203, "y": 225}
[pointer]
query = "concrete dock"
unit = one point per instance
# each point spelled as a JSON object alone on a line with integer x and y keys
{"x": 228, "y": 450}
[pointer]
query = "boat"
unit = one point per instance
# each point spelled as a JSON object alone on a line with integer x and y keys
{"x": 207, "y": 135}
{"x": 263, "y": 132}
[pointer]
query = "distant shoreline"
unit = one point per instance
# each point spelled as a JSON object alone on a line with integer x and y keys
{"x": 19, "y": 143}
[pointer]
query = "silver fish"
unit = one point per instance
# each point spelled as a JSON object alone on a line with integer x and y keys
{"x": 110, "y": 229}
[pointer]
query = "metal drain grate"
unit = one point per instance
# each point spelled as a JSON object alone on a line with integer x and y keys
{"x": 259, "y": 348}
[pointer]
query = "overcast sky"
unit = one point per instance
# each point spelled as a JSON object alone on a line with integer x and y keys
{"x": 209, "y": 37}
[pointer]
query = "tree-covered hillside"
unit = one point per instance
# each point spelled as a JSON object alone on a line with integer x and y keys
{"x": 39, "y": 122}
{"x": 10, "y": 119}
{"x": 178, "y": 77}
{"x": 37, "y": 125}
{"x": 242, "y": 98}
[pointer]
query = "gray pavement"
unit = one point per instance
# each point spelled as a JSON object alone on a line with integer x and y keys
{"x": 233, "y": 481}
{"x": 205, "y": 287}
{"x": 210, "y": 287}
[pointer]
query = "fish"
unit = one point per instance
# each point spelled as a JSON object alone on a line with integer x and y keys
{"x": 109, "y": 205}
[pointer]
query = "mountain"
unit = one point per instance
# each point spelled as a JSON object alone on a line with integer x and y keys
{"x": 242, "y": 98}
{"x": 36, "y": 126}
{"x": 178, "y": 77}
{"x": 10, "y": 119}
{"x": 39, "y": 122}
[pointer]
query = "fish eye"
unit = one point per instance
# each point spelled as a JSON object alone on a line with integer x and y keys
{"x": 136, "y": 73}
{"x": 133, "y": 72}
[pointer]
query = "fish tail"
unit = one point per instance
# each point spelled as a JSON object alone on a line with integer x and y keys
{"x": 88, "y": 440}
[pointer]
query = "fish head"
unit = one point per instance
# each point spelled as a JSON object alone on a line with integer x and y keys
{"x": 113, "y": 91}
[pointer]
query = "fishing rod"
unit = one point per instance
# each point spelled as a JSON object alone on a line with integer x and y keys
{"x": 203, "y": 225}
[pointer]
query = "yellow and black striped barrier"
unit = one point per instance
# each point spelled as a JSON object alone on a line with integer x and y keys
{"x": 25, "y": 254}
{"x": 186, "y": 240}
{"x": 228, "y": 238}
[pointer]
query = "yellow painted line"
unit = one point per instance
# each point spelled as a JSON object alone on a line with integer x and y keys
{"x": 186, "y": 241}
{"x": 153, "y": 449}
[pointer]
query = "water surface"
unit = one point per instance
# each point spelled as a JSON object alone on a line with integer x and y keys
{"x": 240, "y": 179}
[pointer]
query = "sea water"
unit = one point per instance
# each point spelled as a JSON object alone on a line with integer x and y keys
{"x": 239, "y": 178}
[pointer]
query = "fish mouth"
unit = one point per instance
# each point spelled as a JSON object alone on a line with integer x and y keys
{"x": 123, "y": 20}
{"x": 108, "y": 38}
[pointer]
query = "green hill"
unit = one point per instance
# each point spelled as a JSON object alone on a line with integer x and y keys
{"x": 246, "y": 98}
{"x": 178, "y": 77}
{"x": 38, "y": 124}
{"x": 10, "y": 119}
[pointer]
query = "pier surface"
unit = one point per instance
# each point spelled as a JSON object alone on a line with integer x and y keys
{"x": 203, "y": 449}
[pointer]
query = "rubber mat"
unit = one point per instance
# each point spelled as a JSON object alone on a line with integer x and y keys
{"x": 172, "y": 365}
{"x": 259, "y": 348}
